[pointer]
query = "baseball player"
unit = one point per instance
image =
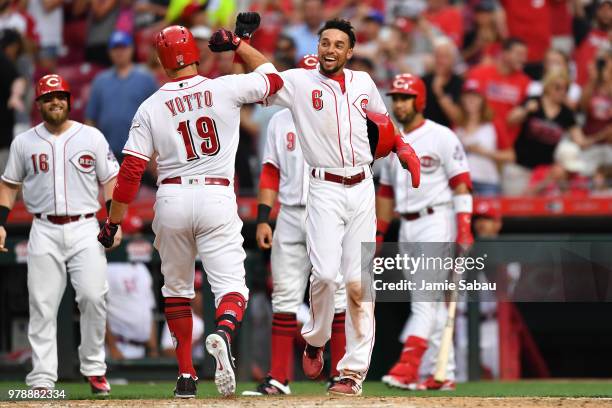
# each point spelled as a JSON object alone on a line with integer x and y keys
{"x": 58, "y": 165}
{"x": 191, "y": 124}
{"x": 285, "y": 175}
{"x": 439, "y": 211}
{"x": 329, "y": 106}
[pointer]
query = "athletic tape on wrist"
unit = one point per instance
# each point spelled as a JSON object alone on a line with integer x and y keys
{"x": 463, "y": 203}
{"x": 4, "y": 213}
{"x": 263, "y": 213}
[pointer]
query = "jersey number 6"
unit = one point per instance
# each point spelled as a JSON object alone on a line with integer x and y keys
{"x": 207, "y": 131}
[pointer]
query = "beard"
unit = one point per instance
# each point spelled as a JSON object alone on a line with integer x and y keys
{"x": 54, "y": 118}
{"x": 407, "y": 118}
{"x": 330, "y": 72}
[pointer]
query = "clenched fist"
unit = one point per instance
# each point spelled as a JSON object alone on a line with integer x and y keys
{"x": 224, "y": 40}
{"x": 246, "y": 24}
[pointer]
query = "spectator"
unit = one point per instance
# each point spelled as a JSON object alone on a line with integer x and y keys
{"x": 447, "y": 18}
{"x": 530, "y": 22}
{"x": 49, "y": 18}
{"x": 443, "y": 85}
{"x": 130, "y": 289}
{"x": 556, "y": 59}
{"x": 545, "y": 120}
{"x": 367, "y": 43}
{"x": 285, "y": 49}
{"x": 117, "y": 92}
{"x": 482, "y": 43}
{"x": 505, "y": 86}
{"x": 101, "y": 22}
{"x": 208, "y": 60}
{"x": 12, "y": 90}
{"x": 590, "y": 41}
{"x": 597, "y": 105}
{"x": 306, "y": 35}
{"x": 478, "y": 135}
{"x": 274, "y": 16}
{"x": 197, "y": 305}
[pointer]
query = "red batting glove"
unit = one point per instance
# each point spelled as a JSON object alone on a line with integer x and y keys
{"x": 465, "y": 239}
{"x": 409, "y": 160}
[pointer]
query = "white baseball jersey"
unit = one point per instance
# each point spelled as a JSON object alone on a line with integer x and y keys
{"x": 331, "y": 124}
{"x": 130, "y": 288}
{"x": 442, "y": 158}
{"x": 193, "y": 124}
{"x": 60, "y": 174}
{"x": 284, "y": 152}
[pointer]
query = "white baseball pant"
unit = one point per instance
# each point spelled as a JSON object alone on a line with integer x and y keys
{"x": 428, "y": 317}
{"x": 203, "y": 219}
{"x": 290, "y": 263}
{"x": 339, "y": 219}
{"x": 54, "y": 251}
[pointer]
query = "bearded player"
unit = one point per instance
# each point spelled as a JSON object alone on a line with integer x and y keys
{"x": 191, "y": 125}
{"x": 59, "y": 165}
{"x": 440, "y": 211}
{"x": 329, "y": 106}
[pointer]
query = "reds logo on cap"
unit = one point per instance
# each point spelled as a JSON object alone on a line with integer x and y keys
{"x": 85, "y": 161}
{"x": 308, "y": 61}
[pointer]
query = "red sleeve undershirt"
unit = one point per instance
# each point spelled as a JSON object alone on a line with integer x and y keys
{"x": 270, "y": 177}
{"x": 128, "y": 179}
{"x": 386, "y": 191}
{"x": 276, "y": 83}
{"x": 461, "y": 178}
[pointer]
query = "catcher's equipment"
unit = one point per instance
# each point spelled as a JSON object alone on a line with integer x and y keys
{"x": 224, "y": 40}
{"x": 381, "y": 134}
{"x": 246, "y": 24}
{"x": 176, "y": 47}
{"x": 408, "y": 84}
{"x": 107, "y": 234}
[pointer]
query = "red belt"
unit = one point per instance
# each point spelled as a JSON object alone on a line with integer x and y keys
{"x": 415, "y": 215}
{"x": 64, "y": 219}
{"x": 215, "y": 181}
{"x": 347, "y": 181}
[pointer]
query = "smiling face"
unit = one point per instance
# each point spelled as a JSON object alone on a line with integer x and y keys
{"x": 334, "y": 50}
{"x": 54, "y": 107}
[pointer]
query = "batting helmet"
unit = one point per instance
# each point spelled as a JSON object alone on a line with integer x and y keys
{"x": 176, "y": 47}
{"x": 381, "y": 134}
{"x": 308, "y": 61}
{"x": 409, "y": 84}
{"x": 51, "y": 83}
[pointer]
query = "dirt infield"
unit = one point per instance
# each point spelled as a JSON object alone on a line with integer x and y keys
{"x": 318, "y": 402}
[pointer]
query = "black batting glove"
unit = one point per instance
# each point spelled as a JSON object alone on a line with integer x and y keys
{"x": 107, "y": 234}
{"x": 246, "y": 24}
{"x": 224, "y": 40}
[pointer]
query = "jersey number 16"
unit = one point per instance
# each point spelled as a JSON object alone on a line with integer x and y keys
{"x": 206, "y": 130}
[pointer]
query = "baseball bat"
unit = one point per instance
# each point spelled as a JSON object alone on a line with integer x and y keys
{"x": 447, "y": 339}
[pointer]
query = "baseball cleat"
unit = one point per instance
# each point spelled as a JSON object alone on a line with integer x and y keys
{"x": 270, "y": 386}
{"x": 99, "y": 385}
{"x": 331, "y": 381}
{"x": 185, "y": 386}
{"x": 218, "y": 347}
{"x": 429, "y": 384}
{"x": 402, "y": 375}
{"x": 346, "y": 387}
{"x": 312, "y": 361}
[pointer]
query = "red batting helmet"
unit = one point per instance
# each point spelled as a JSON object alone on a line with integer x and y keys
{"x": 308, "y": 61}
{"x": 176, "y": 47}
{"x": 51, "y": 83}
{"x": 381, "y": 134}
{"x": 409, "y": 84}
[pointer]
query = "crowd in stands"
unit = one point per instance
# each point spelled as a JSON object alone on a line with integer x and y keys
{"x": 527, "y": 85}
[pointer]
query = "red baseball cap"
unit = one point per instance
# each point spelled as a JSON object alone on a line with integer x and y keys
{"x": 473, "y": 85}
{"x": 488, "y": 209}
{"x": 308, "y": 61}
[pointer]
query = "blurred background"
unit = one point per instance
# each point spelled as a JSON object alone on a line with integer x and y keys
{"x": 494, "y": 71}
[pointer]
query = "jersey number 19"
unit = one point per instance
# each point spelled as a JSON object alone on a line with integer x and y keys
{"x": 207, "y": 132}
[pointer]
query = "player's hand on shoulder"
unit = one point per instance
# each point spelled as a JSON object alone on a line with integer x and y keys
{"x": 3, "y": 239}
{"x": 223, "y": 40}
{"x": 263, "y": 235}
{"x": 246, "y": 24}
